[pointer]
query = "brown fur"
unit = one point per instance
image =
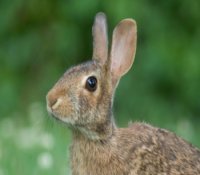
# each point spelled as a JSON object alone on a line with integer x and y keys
{"x": 99, "y": 147}
{"x": 138, "y": 150}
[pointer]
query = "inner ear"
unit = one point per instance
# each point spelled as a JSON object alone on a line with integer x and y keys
{"x": 123, "y": 48}
{"x": 100, "y": 39}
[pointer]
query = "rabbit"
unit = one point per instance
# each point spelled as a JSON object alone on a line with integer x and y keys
{"x": 83, "y": 100}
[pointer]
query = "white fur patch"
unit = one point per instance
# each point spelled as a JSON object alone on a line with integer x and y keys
{"x": 67, "y": 120}
{"x": 90, "y": 134}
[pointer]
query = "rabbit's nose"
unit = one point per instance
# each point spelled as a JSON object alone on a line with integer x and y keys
{"x": 51, "y": 100}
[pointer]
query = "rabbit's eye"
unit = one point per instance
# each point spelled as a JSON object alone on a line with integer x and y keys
{"x": 91, "y": 84}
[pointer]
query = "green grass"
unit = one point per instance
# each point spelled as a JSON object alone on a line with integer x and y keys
{"x": 33, "y": 146}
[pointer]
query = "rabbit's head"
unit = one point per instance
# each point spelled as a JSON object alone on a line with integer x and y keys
{"x": 82, "y": 97}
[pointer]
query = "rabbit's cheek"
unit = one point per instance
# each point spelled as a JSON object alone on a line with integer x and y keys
{"x": 66, "y": 109}
{"x": 92, "y": 97}
{"x": 84, "y": 105}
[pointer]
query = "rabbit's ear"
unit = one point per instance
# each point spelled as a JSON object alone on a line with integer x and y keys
{"x": 100, "y": 39}
{"x": 123, "y": 48}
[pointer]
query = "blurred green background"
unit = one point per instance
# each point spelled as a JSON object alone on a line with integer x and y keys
{"x": 40, "y": 39}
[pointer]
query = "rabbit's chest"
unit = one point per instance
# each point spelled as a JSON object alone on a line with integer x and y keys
{"x": 90, "y": 161}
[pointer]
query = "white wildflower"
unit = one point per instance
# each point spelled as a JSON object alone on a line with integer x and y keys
{"x": 45, "y": 160}
{"x": 27, "y": 138}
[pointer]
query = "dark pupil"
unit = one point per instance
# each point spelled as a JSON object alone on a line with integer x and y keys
{"x": 91, "y": 84}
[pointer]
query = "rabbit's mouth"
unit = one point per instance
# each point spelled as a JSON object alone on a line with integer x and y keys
{"x": 51, "y": 113}
{"x": 66, "y": 120}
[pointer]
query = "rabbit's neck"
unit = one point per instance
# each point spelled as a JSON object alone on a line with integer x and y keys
{"x": 89, "y": 134}
{"x": 101, "y": 132}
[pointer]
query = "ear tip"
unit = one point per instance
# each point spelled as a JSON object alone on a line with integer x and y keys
{"x": 100, "y": 16}
{"x": 132, "y": 21}
{"x": 129, "y": 22}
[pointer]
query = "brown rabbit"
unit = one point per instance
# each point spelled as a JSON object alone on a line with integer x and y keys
{"x": 83, "y": 99}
